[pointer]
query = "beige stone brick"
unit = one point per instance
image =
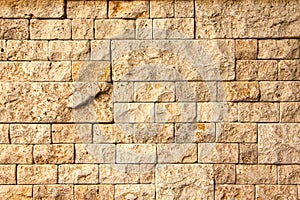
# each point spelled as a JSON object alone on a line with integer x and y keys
{"x": 154, "y": 92}
{"x": 246, "y": 20}
{"x": 235, "y": 192}
{"x": 147, "y": 173}
{"x": 27, "y": 50}
{"x": 217, "y": 111}
{"x": 280, "y": 91}
{"x": 138, "y": 191}
{"x": 248, "y": 153}
{"x": 14, "y": 29}
{"x": 50, "y": 29}
{"x": 120, "y": 173}
{"x": 32, "y": 9}
{"x": 144, "y": 28}
{"x": 256, "y": 174}
{"x": 162, "y": 9}
{"x": 184, "y": 8}
{"x": 258, "y": 112}
{"x": 134, "y": 112}
{"x": 35, "y": 71}
{"x": 8, "y": 174}
{"x": 123, "y": 92}
{"x": 238, "y": 91}
{"x": 53, "y": 153}
{"x": 194, "y": 132}
{"x": 188, "y": 181}
{"x": 68, "y": 50}
{"x": 52, "y": 191}
{"x": 15, "y": 192}
{"x": 279, "y": 143}
{"x": 3, "y": 50}
{"x": 278, "y": 49}
{"x": 290, "y": 112}
{"x": 4, "y": 133}
{"x": 236, "y": 132}
{"x": 256, "y": 70}
{"x": 15, "y": 154}
{"x": 218, "y": 153}
{"x": 196, "y": 91}
{"x": 173, "y": 28}
{"x": 289, "y": 174}
{"x": 71, "y": 133}
{"x": 246, "y": 49}
{"x": 175, "y": 112}
{"x": 37, "y": 174}
{"x": 114, "y": 29}
{"x": 94, "y": 192}
{"x": 268, "y": 192}
{"x": 95, "y": 153}
{"x": 30, "y": 133}
{"x": 177, "y": 153}
{"x": 87, "y": 9}
{"x": 91, "y": 71}
{"x": 136, "y": 153}
{"x": 82, "y": 29}
{"x": 128, "y": 9}
{"x": 289, "y": 70}
{"x": 78, "y": 173}
{"x": 224, "y": 173}
{"x": 100, "y": 50}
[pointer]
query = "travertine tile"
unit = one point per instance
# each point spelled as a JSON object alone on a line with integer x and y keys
{"x": 238, "y": 91}
{"x": 154, "y": 92}
{"x": 50, "y": 29}
{"x": 258, "y": 112}
{"x": 184, "y": 8}
{"x": 100, "y": 50}
{"x": 71, "y": 133}
{"x": 4, "y": 133}
{"x": 94, "y": 192}
{"x": 120, "y": 173}
{"x": 95, "y": 153}
{"x": 136, "y": 153}
{"x": 8, "y": 174}
{"x": 236, "y": 132}
{"x": 290, "y": 112}
{"x": 144, "y": 29}
{"x": 15, "y": 154}
{"x": 82, "y": 29}
{"x": 289, "y": 70}
{"x": 128, "y": 9}
{"x": 37, "y": 174}
{"x": 114, "y": 29}
{"x": 224, "y": 173}
{"x": 268, "y": 192}
{"x": 217, "y": 111}
{"x": 175, "y": 112}
{"x": 248, "y": 153}
{"x": 195, "y": 132}
{"x": 256, "y": 174}
{"x": 16, "y": 29}
{"x": 289, "y": 174}
{"x": 15, "y": 192}
{"x": 68, "y": 50}
{"x": 162, "y": 9}
{"x": 30, "y": 133}
{"x": 140, "y": 191}
{"x": 246, "y": 49}
{"x": 91, "y": 71}
{"x": 177, "y": 153}
{"x": 235, "y": 192}
{"x": 53, "y": 153}
{"x": 134, "y": 112}
{"x": 217, "y": 153}
{"x": 280, "y": 91}
{"x": 78, "y": 173}
{"x": 87, "y": 9}
{"x": 52, "y": 191}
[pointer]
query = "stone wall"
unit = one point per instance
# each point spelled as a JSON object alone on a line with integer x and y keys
{"x": 170, "y": 99}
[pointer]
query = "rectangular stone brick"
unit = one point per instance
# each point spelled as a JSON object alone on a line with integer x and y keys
{"x": 290, "y": 112}
{"x": 14, "y": 29}
{"x": 50, "y": 29}
{"x": 238, "y": 91}
{"x": 289, "y": 174}
{"x": 162, "y": 9}
{"x": 95, "y": 153}
{"x": 144, "y": 29}
{"x": 4, "y": 133}
{"x": 27, "y": 50}
{"x": 224, "y": 173}
{"x": 128, "y": 9}
{"x": 212, "y": 21}
{"x": 256, "y": 70}
{"x": 136, "y": 153}
{"x": 94, "y": 192}
{"x": 119, "y": 173}
{"x": 52, "y": 191}
{"x": 15, "y": 192}
{"x": 175, "y": 112}
{"x": 87, "y": 9}
{"x": 278, "y": 143}
{"x": 37, "y": 174}
{"x": 91, "y": 71}
{"x": 134, "y": 112}
{"x": 78, "y": 173}
{"x": 68, "y": 50}
{"x": 248, "y": 153}
{"x": 147, "y": 173}
{"x": 173, "y": 28}
{"x": 218, "y": 153}
{"x": 256, "y": 174}
{"x": 289, "y": 70}
{"x": 30, "y": 133}
{"x": 34, "y": 8}
{"x": 71, "y": 133}
{"x": 246, "y": 49}
{"x": 138, "y": 191}
{"x": 3, "y": 50}
{"x": 196, "y": 91}
{"x": 8, "y": 174}
{"x": 15, "y": 154}
{"x": 258, "y": 112}
{"x": 35, "y": 71}
{"x": 268, "y": 192}
{"x": 194, "y": 132}
{"x": 53, "y": 153}
{"x": 217, "y": 111}
{"x": 154, "y": 92}
{"x": 280, "y": 91}
{"x": 236, "y": 132}
{"x": 114, "y": 29}
{"x": 123, "y": 92}
{"x": 279, "y": 49}
{"x": 177, "y": 153}
{"x": 235, "y": 192}
{"x": 82, "y": 29}
{"x": 184, "y": 8}
{"x": 100, "y": 50}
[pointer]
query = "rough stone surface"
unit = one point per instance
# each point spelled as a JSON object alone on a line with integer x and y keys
{"x": 269, "y": 192}
{"x": 161, "y": 8}
{"x": 175, "y": 112}
{"x": 134, "y": 112}
{"x": 128, "y": 9}
{"x": 119, "y": 173}
{"x": 30, "y": 133}
{"x": 139, "y": 191}
{"x": 278, "y": 143}
{"x": 37, "y": 174}
{"x": 4, "y": 133}
{"x": 290, "y": 112}
{"x": 94, "y": 192}
{"x": 177, "y": 153}
{"x": 114, "y": 29}
{"x": 280, "y": 91}
{"x": 238, "y": 91}
{"x": 144, "y": 29}
{"x": 184, "y": 181}
{"x": 91, "y": 71}
{"x": 217, "y": 111}
{"x": 194, "y": 132}
{"x": 87, "y": 9}
{"x": 184, "y": 8}
{"x": 100, "y": 50}
{"x": 217, "y": 153}
{"x": 15, "y": 192}
{"x": 123, "y": 92}
{"x": 154, "y": 92}
{"x": 236, "y": 132}
{"x": 248, "y": 153}
{"x": 7, "y": 174}
{"x": 224, "y": 173}
{"x": 78, "y": 173}
{"x": 256, "y": 174}
{"x": 289, "y": 70}
{"x": 246, "y": 49}
{"x": 53, "y": 192}
{"x": 50, "y": 29}
{"x": 82, "y": 29}
{"x": 196, "y": 91}
{"x": 14, "y": 29}
{"x": 136, "y": 153}
{"x": 15, "y": 154}
{"x": 235, "y": 192}
{"x": 53, "y": 154}
{"x": 289, "y": 174}
{"x": 95, "y": 153}
{"x": 3, "y": 50}
{"x": 68, "y": 50}
{"x": 258, "y": 112}
{"x": 71, "y": 133}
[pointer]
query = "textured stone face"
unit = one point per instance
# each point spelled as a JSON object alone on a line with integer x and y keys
{"x": 196, "y": 91}
{"x": 7, "y": 174}
{"x": 82, "y": 29}
{"x": 184, "y": 8}
{"x": 88, "y": 9}
{"x": 128, "y": 9}
{"x": 16, "y": 192}
{"x": 236, "y": 132}
{"x": 71, "y": 133}
{"x": 161, "y": 8}
{"x": 144, "y": 29}
{"x": 248, "y": 153}
{"x": 289, "y": 174}
{"x": 134, "y": 112}
{"x": 30, "y": 134}
{"x": 175, "y": 112}
{"x": 176, "y": 153}
{"x": 79, "y": 173}
{"x": 94, "y": 71}
{"x": 68, "y": 50}
{"x": 258, "y": 112}
{"x": 289, "y": 70}
{"x": 94, "y": 192}
{"x": 119, "y": 173}
{"x": 276, "y": 191}
{"x": 52, "y": 191}
{"x": 153, "y": 92}
{"x": 280, "y": 91}
{"x": 100, "y": 50}
{"x": 114, "y": 29}
{"x": 50, "y": 29}
{"x": 56, "y": 153}
{"x": 95, "y": 153}
{"x": 37, "y": 174}
{"x": 264, "y": 174}
{"x": 4, "y": 134}
{"x": 136, "y": 153}
{"x": 14, "y": 29}
{"x": 194, "y": 132}
{"x": 239, "y": 91}
{"x": 217, "y": 111}
{"x": 290, "y": 112}
{"x": 217, "y": 153}
{"x": 246, "y": 49}
{"x": 234, "y": 192}
{"x": 224, "y": 173}
{"x": 20, "y": 154}
{"x": 139, "y": 191}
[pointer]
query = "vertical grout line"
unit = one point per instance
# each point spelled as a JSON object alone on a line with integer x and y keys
{"x": 65, "y": 9}
{"x": 194, "y": 17}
